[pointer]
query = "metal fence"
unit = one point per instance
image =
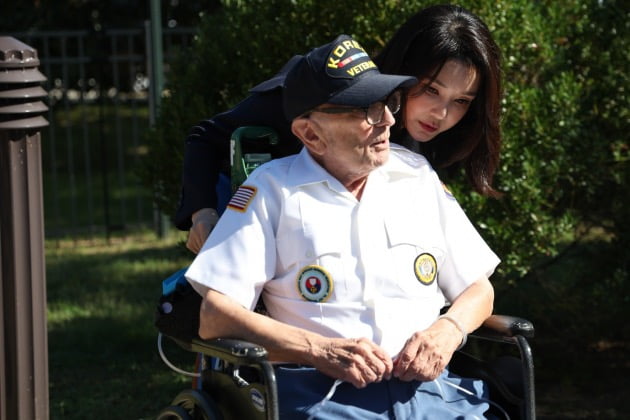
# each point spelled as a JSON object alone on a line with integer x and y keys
{"x": 99, "y": 109}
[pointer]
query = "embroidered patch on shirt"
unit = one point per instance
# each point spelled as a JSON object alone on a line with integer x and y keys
{"x": 425, "y": 268}
{"x": 241, "y": 198}
{"x": 314, "y": 283}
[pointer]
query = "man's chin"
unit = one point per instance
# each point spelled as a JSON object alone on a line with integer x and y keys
{"x": 382, "y": 156}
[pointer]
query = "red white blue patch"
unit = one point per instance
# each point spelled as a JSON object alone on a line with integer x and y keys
{"x": 241, "y": 198}
{"x": 348, "y": 59}
{"x": 314, "y": 283}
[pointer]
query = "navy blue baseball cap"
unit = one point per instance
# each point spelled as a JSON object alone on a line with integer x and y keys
{"x": 339, "y": 73}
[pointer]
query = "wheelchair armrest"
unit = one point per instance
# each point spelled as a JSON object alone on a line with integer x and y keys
{"x": 504, "y": 328}
{"x": 231, "y": 350}
{"x": 239, "y": 353}
{"x": 513, "y": 330}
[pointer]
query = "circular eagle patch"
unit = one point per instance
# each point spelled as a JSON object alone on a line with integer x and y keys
{"x": 425, "y": 268}
{"x": 314, "y": 283}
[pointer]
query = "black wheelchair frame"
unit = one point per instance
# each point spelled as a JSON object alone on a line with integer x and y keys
{"x": 237, "y": 381}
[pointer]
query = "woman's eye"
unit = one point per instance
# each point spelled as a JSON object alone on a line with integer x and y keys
{"x": 463, "y": 101}
{"x": 431, "y": 90}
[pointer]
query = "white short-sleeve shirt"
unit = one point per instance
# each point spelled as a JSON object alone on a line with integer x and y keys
{"x": 379, "y": 268}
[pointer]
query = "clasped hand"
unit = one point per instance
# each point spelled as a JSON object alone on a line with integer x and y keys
{"x": 361, "y": 362}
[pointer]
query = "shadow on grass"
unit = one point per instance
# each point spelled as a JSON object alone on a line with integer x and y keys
{"x": 103, "y": 359}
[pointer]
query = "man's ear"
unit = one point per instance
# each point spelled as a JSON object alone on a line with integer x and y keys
{"x": 306, "y": 130}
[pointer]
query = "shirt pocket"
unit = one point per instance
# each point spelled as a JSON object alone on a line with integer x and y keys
{"x": 416, "y": 252}
{"x": 302, "y": 249}
{"x": 305, "y": 247}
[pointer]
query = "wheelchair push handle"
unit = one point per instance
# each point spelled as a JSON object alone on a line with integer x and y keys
{"x": 243, "y": 163}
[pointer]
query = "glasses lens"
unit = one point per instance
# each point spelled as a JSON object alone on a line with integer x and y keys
{"x": 375, "y": 111}
{"x": 393, "y": 102}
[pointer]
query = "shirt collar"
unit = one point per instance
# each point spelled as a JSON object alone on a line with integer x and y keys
{"x": 304, "y": 170}
{"x": 402, "y": 163}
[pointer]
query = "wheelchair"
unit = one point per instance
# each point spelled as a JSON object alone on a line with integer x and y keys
{"x": 238, "y": 382}
{"x": 235, "y": 380}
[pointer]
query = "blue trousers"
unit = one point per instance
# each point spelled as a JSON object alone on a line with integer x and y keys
{"x": 301, "y": 389}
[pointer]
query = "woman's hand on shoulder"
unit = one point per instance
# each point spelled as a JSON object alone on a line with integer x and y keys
{"x": 203, "y": 221}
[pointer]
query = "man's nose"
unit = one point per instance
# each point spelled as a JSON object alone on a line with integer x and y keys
{"x": 388, "y": 118}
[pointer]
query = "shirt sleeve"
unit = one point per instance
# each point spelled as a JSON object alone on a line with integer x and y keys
{"x": 240, "y": 254}
{"x": 469, "y": 256}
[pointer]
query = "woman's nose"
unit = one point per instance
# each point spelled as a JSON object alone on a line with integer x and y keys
{"x": 440, "y": 111}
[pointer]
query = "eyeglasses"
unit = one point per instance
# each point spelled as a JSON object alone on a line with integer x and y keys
{"x": 373, "y": 113}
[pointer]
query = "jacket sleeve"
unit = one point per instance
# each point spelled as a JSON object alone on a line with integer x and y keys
{"x": 206, "y": 149}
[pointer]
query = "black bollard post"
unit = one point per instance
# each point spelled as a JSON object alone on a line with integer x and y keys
{"x": 23, "y": 333}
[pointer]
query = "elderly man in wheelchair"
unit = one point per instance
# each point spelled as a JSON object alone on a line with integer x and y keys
{"x": 371, "y": 275}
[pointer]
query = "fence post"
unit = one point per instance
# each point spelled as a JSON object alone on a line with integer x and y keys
{"x": 156, "y": 77}
{"x": 23, "y": 334}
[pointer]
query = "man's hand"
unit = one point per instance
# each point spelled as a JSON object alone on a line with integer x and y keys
{"x": 203, "y": 221}
{"x": 355, "y": 360}
{"x": 426, "y": 353}
{"x": 358, "y": 361}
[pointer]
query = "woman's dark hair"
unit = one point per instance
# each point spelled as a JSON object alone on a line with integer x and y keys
{"x": 420, "y": 48}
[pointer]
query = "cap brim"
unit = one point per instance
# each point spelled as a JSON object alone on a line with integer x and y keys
{"x": 371, "y": 88}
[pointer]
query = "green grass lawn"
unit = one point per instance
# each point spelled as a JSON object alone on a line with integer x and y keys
{"x": 103, "y": 359}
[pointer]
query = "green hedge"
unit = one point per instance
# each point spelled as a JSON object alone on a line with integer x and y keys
{"x": 564, "y": 167}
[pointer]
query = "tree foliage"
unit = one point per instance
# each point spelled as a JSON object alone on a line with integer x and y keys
{"x": 26, "y": 15}
{"x": 564, "y": 167}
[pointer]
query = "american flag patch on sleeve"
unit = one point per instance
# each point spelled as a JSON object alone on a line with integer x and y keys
{"x": 241, "y": 198}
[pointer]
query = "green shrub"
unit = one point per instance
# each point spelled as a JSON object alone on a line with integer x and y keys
{"x": 564, "y": 165}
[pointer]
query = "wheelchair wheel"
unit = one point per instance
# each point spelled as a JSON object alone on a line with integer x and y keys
{"x": 197, "y": 405}
{"x": 174, "y": 412}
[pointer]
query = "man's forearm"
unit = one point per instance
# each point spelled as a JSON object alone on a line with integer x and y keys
{"x": 223, "y": 317}
{"x": 473, "y": 305}
{"x": 358, "y": 361}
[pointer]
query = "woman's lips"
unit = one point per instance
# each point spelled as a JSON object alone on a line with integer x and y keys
{"x": 428, "y": 127}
